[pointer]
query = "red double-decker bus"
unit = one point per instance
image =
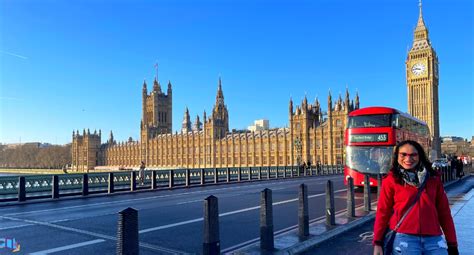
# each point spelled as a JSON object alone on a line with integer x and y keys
{"x": 370, "y": 137}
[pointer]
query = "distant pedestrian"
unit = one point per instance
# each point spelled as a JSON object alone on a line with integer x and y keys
{"x": 414, "y": 204}
{"x": 141, "y": 173}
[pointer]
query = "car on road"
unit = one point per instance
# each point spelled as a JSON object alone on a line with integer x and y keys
{"x": 441, "y": 162}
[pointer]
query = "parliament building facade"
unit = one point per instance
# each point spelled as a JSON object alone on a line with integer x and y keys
{"x": 310, "y": 137}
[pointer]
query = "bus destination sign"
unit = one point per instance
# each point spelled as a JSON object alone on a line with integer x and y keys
{"x": 365, "y": 138}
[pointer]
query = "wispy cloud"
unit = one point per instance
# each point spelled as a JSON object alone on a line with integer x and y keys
{"x": 13, "y": 54}
{"x": 11, "y": 98}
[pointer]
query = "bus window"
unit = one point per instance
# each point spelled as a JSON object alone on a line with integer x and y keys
{"x": 379, "y": 120}
{"x": 367, "y": 159}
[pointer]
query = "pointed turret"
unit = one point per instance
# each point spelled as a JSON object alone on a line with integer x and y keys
{"x": 197, "y": 124}
{"x": 144, "y": 90}
{"x": 329, "y": 102}
{"x": 219, "y": 94}
{"x": 186, "y": 127}
{"x": 156, "y": 86}
{"x": 290, "y": 106}
{"x": 169, "y": 88}
{"x": 347, "y": 100}
{"x": 111, "y": 138}
{"x": 356, "y": 106}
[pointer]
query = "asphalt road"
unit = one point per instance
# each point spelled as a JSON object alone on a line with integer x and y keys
{"x": 170, "y": 221}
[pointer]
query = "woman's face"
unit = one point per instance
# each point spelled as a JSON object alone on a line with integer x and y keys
{"x": 408, "y": 157}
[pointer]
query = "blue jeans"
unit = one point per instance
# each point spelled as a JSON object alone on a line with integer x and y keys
{"x": 413, "y": 245}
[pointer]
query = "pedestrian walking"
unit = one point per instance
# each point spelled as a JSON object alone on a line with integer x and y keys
{"x": 414, "y": 205}
{"x": 141, "y": 173}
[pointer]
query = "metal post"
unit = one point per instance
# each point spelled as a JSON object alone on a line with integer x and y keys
{"x": 170, "y": 179}
{"x": 227, "y": 174}
{"x": 211, "y": 244}
{"x": 203, "y": 176}
{"x": 379, "y": 185}
{"x": 188, "y": 177}
{"x": 291, "y": 173}
{"x": 55, "y": 187}
{"x": 367, "y": 193}
{"x": 85, "y": 184}
{"x": 153, "y": 179}
{"x": 284, "y": 172}
{"x": 303, "y": 216}
{"x": 330, "y": 217}
{"x": 259, "y": 172}
{"x": 239, "y": 174}
{"x": 249, "y": 170}
{"x": 216, "y": 175}
{"x": 350, "y": 198}
{"x": 127, "y": 233}
{"x": 111, "y": 183}
{"x": 133, "y": 181}
{"x": 266, "y": 220}
{"x": 21, "y": 189}
{"x": 268, "y": 172}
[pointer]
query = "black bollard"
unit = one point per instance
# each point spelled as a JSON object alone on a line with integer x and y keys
{"x": 111, "y": 183}
{"x": 85, "y": 184}
{"x": 330, "y": 217}
{"x": 170, "y": 179}
{"x": 303, "y": 216}
{"x": 55, "y": 187}
{"x": 268, "y": 172}
{"x": 227, "y": 171}
{"x": 127, "y": 233}
{"x": 133, "y": 181}
{"x": 350, "y": 198}
{"x": 266, "y": 220}
{"x": 21, "y": 189}
{"x": 211, "y": 244}
{"x": 259, "y": 172}
{"x": 367, "y": 201}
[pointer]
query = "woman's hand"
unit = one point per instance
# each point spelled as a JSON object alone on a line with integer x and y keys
{"x": 378, "y": 250}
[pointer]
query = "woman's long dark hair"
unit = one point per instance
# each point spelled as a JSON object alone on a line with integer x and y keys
{"x": 423, "y": 162}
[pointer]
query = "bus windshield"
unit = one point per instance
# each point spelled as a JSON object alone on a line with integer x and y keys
{"x": 368, "y": 159}
{"x": 377, "y": 120}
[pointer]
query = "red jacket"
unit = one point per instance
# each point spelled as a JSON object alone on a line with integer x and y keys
{"x": 427, "y": 217}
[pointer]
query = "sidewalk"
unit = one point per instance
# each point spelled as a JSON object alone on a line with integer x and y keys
{"x": 463, "y": 213}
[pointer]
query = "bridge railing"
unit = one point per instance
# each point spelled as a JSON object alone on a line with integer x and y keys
{"x": 42, "y": 186}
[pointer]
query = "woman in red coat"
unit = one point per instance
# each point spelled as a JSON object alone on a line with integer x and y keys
{"x": 421, "y": 232}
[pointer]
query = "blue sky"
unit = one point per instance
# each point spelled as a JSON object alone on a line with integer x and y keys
{"x": 67, "y": 65}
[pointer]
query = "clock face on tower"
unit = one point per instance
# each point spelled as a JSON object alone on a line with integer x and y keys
{"x": 418, "y": 69}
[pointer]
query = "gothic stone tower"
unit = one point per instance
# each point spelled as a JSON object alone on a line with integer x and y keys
{"x": 85, "y": 150}
{"x": 157, "y": 116}
{"x": 217, "y": 126}
{"x": 422, "y": 81}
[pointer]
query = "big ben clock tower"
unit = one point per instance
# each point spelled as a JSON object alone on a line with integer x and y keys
{"x": 422, "y": 82}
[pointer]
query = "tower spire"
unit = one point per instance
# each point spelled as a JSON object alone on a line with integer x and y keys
{"x": 421, "y": 32}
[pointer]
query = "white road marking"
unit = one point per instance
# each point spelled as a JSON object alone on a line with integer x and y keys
{"x": 227, "y": 213}
{"x": 67, "y": 247}
{"x": 85, "y": 232}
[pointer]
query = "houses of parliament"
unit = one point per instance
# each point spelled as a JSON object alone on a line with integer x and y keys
{"x": 311, "y": 136}
{"x": 207, "y": 143}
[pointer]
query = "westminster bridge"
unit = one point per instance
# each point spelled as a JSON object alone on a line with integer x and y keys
{"x": 81, "y": 213}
